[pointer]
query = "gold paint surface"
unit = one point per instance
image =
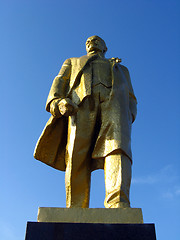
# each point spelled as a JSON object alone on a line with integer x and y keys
{"x": 93, "y": 106}
{"x": 90, "y": 215}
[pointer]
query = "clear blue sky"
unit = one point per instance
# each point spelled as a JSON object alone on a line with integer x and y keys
{"x": 36, "y": 37}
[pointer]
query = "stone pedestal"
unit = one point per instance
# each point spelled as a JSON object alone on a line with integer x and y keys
{"x": 90, "y": 224}
{"x": 89, "y": 231}
{"x": 90, "y": 215}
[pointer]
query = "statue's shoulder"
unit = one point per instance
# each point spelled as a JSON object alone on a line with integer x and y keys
{"x": 124, "y": 68}
{"x": 72, "y": 59}
{"x": 67, "y": 62}
{"x": 75, "y": 60}
{"x": 118, "y": 61}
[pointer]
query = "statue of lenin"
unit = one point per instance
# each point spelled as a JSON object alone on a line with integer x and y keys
{"x": 92, "y": 106}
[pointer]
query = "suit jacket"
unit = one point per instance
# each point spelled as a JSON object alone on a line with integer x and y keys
{"x": 74, "y": 81}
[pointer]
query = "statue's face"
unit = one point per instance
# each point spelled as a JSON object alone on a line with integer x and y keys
{"x": 95, "y": 44}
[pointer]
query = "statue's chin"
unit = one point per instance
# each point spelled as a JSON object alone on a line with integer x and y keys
{"x": 93, "y": 50}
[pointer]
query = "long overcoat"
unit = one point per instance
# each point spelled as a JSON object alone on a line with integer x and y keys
{"x": 74, "y": 81}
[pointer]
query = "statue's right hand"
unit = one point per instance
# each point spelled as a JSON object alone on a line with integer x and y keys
{"x": 67, "y": 107}
{"x": 54, "y": 109}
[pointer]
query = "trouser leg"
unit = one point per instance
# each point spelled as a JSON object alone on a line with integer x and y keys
{"x": 117, "y": 170}
{"x": 78, "y": 156}
{"x": 77, "y": 182}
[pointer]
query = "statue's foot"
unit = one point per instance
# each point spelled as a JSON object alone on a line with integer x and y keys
{"x": 120, "y": 205}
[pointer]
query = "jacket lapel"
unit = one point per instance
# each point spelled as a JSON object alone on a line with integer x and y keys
{"x": 78, "y": 66}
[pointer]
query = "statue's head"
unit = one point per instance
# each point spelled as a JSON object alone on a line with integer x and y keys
{"x": 95, "y": 44}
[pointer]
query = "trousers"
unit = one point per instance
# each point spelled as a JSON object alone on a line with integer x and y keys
{"x": 83, "y": 129}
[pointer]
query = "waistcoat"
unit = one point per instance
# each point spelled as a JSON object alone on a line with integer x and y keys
{"x": 101, "y": 72}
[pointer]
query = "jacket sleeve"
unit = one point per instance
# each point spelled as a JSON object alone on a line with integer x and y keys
{"x": 132, "y": 98}
{"x": 60, "y": 84}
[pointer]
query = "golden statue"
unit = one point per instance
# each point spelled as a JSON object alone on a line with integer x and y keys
{"x": 93, "y": 107}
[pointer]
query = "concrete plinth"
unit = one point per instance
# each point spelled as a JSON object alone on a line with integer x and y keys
{"x": 89, "y": 231}
{"x": 91, "y": 215}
